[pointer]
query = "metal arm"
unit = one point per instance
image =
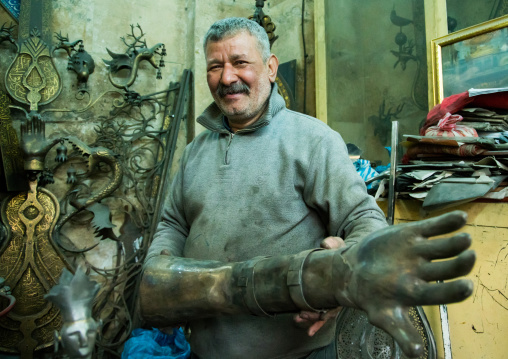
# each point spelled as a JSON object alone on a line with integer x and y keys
{"x": 384, "y": 274}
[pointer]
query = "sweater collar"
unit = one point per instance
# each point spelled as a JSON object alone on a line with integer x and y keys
{"x": 212, "y": 117}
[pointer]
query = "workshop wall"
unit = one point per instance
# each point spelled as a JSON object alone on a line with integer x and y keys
{"x": 372, "y": 80}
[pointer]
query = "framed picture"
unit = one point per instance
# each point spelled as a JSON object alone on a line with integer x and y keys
{"x": 475, "y": 57}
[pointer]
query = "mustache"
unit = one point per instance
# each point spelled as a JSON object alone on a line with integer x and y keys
{"x": 234, "y": 88}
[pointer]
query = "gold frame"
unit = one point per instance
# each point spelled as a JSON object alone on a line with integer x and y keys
{"x": 455, "y": 37}
{"x": 320, "y": 61}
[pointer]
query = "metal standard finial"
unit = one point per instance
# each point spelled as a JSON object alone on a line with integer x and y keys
{"x": 264, "y": 20}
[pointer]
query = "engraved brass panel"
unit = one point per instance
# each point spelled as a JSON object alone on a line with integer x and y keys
{"x": 31, "y": 264}
{"x": 12, "y": 158}
{"x": 32, "y": 77}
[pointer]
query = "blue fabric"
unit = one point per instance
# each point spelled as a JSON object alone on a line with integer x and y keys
{"x": 365, "y": 171}
{"x": 153, "y": 343}
{"x": 12, "y": 6}
{"x": 381, "y": 169}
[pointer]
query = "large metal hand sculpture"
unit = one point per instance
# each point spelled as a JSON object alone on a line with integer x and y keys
{"x": 392, "y": 270}
{"x": 384, "y": 275}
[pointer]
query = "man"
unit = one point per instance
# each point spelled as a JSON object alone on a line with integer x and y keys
{"x": 259, "y": 187}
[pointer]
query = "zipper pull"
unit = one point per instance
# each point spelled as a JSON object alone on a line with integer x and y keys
{"x": 226, "y": 159}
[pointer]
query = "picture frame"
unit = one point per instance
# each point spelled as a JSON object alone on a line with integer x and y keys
{"x": 475, "y": 57}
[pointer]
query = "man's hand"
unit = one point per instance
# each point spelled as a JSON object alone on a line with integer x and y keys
{"x": 311, "y": 320}
{"x": 392, "y": 270}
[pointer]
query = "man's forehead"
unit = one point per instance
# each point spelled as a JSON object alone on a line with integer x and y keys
{"x": 212, "y": 58}
{"x": 239, "y": 47}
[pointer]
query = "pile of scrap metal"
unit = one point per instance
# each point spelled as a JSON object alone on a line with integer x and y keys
{"x": 454, "y": 162}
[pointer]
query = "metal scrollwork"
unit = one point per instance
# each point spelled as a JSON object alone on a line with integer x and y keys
{"x": 116, "y": 181}
{"x": 94, "y": 156}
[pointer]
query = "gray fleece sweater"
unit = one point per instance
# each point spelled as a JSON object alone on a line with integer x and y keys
{"x": 277, "y": 187}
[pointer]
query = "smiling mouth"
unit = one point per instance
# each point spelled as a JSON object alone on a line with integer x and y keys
{"x": 233, "y": 95}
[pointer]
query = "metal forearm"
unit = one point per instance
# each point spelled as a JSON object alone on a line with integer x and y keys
{"x": 174, "y": 290}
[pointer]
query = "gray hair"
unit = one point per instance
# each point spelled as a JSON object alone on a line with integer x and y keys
{"x": 234, "y": 25}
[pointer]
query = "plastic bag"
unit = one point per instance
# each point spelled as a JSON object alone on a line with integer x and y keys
{"x": 156, "y": 344}
{"x": 447, "y": 127}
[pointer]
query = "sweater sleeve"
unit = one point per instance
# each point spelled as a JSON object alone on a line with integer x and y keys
{"x": 173, "y": 229}
{"x": 335, "y": 190}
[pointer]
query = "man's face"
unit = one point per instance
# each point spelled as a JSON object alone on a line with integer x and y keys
{"x": 238, "y": 78}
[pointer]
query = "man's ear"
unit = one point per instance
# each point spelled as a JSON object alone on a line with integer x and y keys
{"x": 273, "y": 65}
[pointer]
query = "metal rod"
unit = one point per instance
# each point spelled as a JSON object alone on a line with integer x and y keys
{"x": 445, "y": 329}
{"x": 393, "y": 172}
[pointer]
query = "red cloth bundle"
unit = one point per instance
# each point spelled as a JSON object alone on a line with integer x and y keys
{"x": 466, "y": 150}
{"x": 457, "y": 102}
{"x": 451, "y": 104}
{"x": 447, "y": 127}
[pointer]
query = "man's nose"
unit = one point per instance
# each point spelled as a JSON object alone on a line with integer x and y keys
{"x": 229, "y": 75}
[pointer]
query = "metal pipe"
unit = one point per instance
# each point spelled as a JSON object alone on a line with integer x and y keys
{"x": 393, "y": 172}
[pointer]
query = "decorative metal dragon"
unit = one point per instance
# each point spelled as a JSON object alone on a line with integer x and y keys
{"x": 137, "y": 51}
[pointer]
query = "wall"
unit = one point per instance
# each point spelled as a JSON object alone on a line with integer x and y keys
{"x": 368, "y": 82}
{"x": 468, "y": 13}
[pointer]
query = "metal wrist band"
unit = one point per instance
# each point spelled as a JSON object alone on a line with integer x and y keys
{"x": 246, "y": 282}
{"x": 294, "y": 280}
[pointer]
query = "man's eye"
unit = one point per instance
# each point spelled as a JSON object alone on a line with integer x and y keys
{"x": 215, "y": 67}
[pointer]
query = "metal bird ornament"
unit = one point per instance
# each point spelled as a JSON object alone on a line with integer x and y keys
{"x": 398, "y": 20}
{"x": 405, "y": 52}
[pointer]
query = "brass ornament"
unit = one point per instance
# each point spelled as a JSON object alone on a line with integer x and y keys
{"x": 12, "y": 157}
{"x": 283, "y": 89}
{"x": 31, "y": 263}
{"x": 79, "y": 60}
{"x": 264, "y": 21}
{"x": 32, "y": 78}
